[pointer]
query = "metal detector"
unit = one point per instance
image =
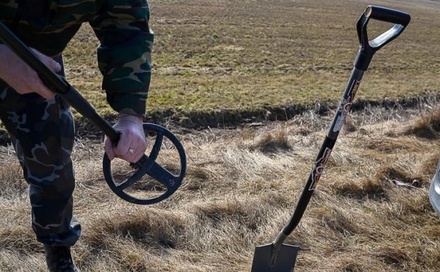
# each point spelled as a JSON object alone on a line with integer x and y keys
{"x": 279, "y": 257}
{"x": 159, "y": 181}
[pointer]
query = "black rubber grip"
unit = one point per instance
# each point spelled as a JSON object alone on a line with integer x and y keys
{"x": 387, "y": 15}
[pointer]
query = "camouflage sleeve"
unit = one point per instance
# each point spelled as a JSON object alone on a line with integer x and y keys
{"x": 124, "y": 55}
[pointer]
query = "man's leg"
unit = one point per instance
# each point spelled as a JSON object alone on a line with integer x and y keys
{"x": 43, "y": 134}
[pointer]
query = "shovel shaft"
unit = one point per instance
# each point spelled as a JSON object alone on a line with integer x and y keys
{"x": 367, "y": 49}
{"x": 324, "y": 154}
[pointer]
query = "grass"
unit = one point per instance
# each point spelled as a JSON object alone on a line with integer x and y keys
{"x": 222, "y": 63}
{"x": 240, "y": 189}
{"x": 249, "y": 56}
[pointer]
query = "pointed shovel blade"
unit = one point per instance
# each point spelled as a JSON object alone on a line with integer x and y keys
{"x": 283, "y": 261}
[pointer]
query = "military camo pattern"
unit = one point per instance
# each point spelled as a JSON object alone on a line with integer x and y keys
{"x": 42, "y": 132}
{"x": 124, "y": 55}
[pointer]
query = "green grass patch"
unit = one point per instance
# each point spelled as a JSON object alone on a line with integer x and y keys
{"x": 250, "y": 55}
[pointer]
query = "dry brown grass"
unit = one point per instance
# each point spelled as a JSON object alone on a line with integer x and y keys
{"x": 238, "y": 194}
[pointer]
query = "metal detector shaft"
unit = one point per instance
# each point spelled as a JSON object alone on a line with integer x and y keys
{"x": 57, "y": 83}
{"x": 367, "y": 48}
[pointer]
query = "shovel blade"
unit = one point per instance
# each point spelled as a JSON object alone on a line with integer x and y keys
{"x": 284, "y": 260}
{"x": 434, "y": 190}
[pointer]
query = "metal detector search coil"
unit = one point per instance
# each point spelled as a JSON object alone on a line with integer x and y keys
{"x": 147, "y": 165}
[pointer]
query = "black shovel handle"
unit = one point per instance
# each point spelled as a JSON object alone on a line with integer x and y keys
{"x": 363, "y": 58}
{"x": 369, "y": 47}
{"x": 387, "y": 15}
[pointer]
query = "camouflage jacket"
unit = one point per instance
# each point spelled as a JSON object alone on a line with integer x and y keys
{"x": 124, "y": 54}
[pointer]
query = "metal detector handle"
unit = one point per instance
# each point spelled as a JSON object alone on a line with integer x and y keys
{"x": 363, "y": 57}
{"x": 369, "y": 47}
{"x": 55, "y": 82}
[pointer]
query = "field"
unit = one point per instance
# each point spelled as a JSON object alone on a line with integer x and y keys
{"x": 250, "y": 88}
{"x": 220, "y": 63}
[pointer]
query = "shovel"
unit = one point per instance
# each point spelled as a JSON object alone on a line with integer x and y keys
{"x": 279, "y": 257}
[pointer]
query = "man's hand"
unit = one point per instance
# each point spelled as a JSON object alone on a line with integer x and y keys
{"x": 22, "y": 78}
{"x": 132, "y": 141}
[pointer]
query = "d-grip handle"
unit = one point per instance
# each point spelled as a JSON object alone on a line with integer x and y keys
{"x": 369, "y": 47}
{"x": 387, "y": 15}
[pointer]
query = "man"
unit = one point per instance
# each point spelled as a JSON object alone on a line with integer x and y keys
{"x": 40, "y": 123}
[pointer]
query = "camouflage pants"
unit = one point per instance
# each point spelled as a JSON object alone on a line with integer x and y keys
{"x": 42, "y": 132}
